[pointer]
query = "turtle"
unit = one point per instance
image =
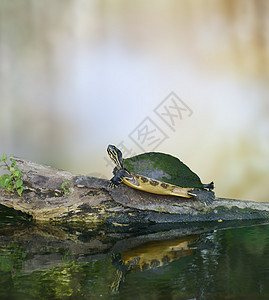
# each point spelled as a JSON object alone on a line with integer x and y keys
{"x": 159, "y": 173}
{"x": 149, "y": 256}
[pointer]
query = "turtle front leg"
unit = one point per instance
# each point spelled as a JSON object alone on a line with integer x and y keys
{"x": 115, "y": 171}
{"x": 118, "y": 178}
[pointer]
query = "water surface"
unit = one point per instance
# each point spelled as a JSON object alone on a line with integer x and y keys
{"x": 201, "y": 261}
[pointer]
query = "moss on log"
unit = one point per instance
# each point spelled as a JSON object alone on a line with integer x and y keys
{"x": 91, "y": 200}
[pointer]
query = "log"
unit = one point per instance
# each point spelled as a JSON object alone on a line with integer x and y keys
{"x": 91, "y": 200}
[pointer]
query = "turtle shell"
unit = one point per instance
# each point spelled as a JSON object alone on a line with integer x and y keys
{"x": 163, "y": 167}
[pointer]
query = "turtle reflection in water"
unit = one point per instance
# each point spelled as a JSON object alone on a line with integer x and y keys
{"x": 150, "y": 255}
{"x": 159, "y": 173}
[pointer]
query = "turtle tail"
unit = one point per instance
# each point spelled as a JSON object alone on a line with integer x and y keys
{"x": 210, "y": 186}
{"x": 204, "y": 196}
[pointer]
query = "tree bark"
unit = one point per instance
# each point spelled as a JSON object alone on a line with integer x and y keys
{"x": 91, "y": 200}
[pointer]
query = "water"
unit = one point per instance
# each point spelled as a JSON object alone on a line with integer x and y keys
{"x": 187, "y": 261}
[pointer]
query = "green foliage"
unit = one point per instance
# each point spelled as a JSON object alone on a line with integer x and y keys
{"x": 66, "y": 187}
{"x": 12, "y": 180}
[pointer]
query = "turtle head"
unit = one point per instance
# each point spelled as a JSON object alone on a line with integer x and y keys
{"x": 116, "y": 155}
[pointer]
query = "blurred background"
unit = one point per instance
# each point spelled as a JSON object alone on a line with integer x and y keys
{"x": 185, "y": 77}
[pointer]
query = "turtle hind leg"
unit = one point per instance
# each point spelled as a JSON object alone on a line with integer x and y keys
{"x": 210, "y": 186}
{"x": 206, "y": 197}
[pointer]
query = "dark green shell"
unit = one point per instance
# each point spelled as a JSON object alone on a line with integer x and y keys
{"x": 163, "y": 167}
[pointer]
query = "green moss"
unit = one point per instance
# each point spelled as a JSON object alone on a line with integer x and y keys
{"x": 163, "y": 167}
